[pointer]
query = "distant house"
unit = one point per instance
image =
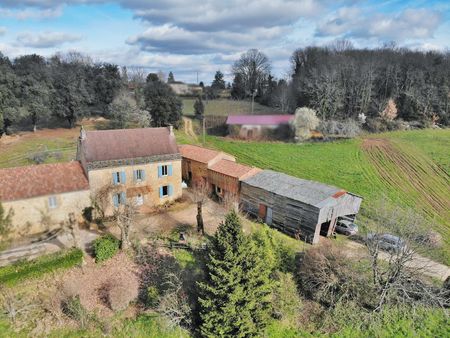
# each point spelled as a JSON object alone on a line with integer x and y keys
{"x": 186, "y": 89}
{"x": 259, "y": 126}
{"x": 298, "y": 207}
{"x": 139, "y": 164}
{"x": 43, "y": 196}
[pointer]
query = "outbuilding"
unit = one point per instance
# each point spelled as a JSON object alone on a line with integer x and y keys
{"x": 259, "y": 126}
{"x": 301, "y": 208}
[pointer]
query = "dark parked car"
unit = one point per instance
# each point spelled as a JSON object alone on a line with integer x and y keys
{"x": 346, "y": 227}
{"x": 388, "y": 242}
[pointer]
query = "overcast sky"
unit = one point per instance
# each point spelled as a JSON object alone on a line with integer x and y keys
{"x": 190, "y": 36}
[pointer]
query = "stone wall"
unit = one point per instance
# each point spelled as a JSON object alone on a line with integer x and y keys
{"x": 101, "y": 178}
{"x": 34, "y": 215}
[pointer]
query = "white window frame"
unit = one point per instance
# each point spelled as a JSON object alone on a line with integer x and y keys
{"x": 139, "y": 199}
{"x": 164, "y": 168}
{"x": 52, "y": 202}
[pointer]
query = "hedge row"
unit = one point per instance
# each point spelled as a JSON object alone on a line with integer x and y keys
{"x": 20, "y": 271}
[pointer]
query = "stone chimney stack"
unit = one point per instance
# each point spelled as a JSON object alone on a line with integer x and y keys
{"x": 171, "y": 130}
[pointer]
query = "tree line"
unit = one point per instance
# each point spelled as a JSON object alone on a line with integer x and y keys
{"x": 341, "y": 82}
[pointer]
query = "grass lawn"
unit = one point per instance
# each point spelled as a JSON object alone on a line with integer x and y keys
{"x": 226, "y": 107}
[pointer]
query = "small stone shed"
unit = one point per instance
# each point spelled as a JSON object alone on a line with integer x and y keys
{"x": 301, "y": 208}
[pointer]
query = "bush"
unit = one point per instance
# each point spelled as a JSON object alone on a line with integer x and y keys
{"x": 73, "y": 308}
{"x": 152, "y": 296}
{"x": 120, "y": 295}
{"x": 105, "y": 247}
{"x": 286, "y": 302}
{"x": 13, "y": 274}
{"x": 346, "y": 128}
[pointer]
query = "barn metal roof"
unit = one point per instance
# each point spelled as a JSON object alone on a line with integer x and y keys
{"x": 305, "y": 191}
{"x": 259, "y": 119}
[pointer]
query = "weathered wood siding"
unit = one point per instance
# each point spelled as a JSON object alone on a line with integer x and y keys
{"x": 199, "y": 170}
{"x": 289, "y": 216}
{"x": 226, "y": 183}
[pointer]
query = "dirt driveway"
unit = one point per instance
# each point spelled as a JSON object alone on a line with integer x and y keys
{"x": 419, "y": 263}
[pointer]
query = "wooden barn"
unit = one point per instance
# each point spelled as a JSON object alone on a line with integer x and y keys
{"x": 197, "y": 160}
{"x": 301, "y": 208}
{"x": 225, "y": 178}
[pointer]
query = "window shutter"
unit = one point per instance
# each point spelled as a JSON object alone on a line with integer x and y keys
{"x": 159, "y": 171}
{"x": 169, "y": 170}
{"x": 135, "y": 175}
{"x": 170, "y": 190}
{"x": 143, "y": 174}
{"x": 123, "y": 197}
{"x": 160, "y": 192}
{"x": 116, "y": 200}
{"x": 114, "y": 178}
{"x": 123, "y": 177}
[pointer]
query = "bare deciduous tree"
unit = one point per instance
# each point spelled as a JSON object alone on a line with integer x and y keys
{"x": 305, "y": 120}
{"x": 394, "y": 245}
{"x": 390, "y": 112}
{"x": 200, "y": 193}
{"x": 253, "y": 67}
{"x": 125, "y": 216}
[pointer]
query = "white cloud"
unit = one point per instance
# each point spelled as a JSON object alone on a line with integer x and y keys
{"x": 31, "y": 13}
{"x": 2, "y": 30}
{"x": 46, "y": 39}
{"x": 408, "y": 24}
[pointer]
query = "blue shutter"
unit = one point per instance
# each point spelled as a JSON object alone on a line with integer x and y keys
{"x": 170, "y": 190}
{"x": 123, "y": 177}
{"x": 169, "y": 170}
{"x": 123, "y": 197}
{"x": 160, "y": 192}
{"x": 159, "y": 171}
{"x": 114, "y": 178}
{"x": 143, "y": 174}
{"x": 135, "y": 175}
{"x": 116, "y": 200}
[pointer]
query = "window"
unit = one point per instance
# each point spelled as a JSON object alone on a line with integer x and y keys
{"x": 52, "y": 203}
{"x": 139, "y": 175}
{"x": 165, "y": 191}
{"x": 164, "y": 170}
{"x": 119, "y": 198}
{"x": 139, "y": 199}
{"x": 119, "y": 177}
{"x": 219, "y": 190}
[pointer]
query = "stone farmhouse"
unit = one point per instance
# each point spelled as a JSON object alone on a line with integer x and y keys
{"x": 43, "y": 195}
{"x": 142, "y": 166}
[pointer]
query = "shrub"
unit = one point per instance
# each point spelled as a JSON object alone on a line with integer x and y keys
{"x": 346, "y": 128}
{"x": 286, "y": 302}
{"x": 120, "y": 295}
{"x": 13, "y": 274}
{"x": 105, "y": 247}
{"x": 73, "y": 308}
{"x": 152, "y": 296}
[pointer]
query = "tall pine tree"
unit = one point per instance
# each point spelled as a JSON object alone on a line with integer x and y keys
{"x": 234, "y": 298}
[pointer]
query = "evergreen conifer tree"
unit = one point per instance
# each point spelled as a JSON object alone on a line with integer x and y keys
{"x": 199, "y": 108}
{"x": 234, "y": 298}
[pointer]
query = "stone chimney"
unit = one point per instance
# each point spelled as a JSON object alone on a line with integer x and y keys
{"x": 82, "y": 133}
{"x": 170, "y": 130}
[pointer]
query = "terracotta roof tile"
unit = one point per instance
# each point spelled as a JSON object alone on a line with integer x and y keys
{"x": 199, "y": 154}
{"x": 39, "y": 180}
{"x": 234, "y": 169}
{"x": 104, "y": 145}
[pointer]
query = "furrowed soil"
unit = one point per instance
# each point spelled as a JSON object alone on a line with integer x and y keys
{"x": 422, "y": 183}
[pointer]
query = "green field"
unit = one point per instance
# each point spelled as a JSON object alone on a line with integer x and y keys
{"x": 226, "y": 107}
{"x": 410, "y": 169}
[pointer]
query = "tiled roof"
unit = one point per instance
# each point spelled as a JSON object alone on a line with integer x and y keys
{"x": 259, "y": 119}
{"x": 199, "y": 154}
{"x": 234, "y": 169}
{"x": 104, "y": 145}
{"x": 40, "y": 180}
